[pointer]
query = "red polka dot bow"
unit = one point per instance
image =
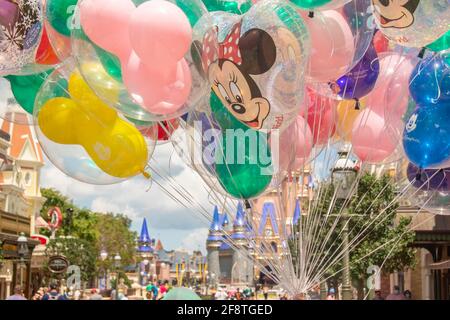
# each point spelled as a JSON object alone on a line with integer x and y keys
{"x": 228, "y": 49}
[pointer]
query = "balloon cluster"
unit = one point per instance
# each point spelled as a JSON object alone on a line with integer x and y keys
{"x": 258, "y": 89}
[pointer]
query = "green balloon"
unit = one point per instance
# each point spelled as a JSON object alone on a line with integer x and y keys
{"x": 26, "y": 88}
{"x": 310, "y": 4}
{"x": 441, "y": 44}
{"x": 236, "y": 7}
{"x": 247, "y": 175}
{"x": 59, "y": 15}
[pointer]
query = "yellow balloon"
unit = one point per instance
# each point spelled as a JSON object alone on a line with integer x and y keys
{"x": 347, "y": 112}
{"x": 116, "y": 146}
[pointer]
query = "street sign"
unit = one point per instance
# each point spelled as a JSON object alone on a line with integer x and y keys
{"x": 58, "y": 264}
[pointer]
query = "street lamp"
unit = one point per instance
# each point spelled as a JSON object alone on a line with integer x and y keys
{"x": 22, "y": 251}
{"x": 343, "y": 178}
{"x": 103, "y": 257}
{"x": 117, "y": 260}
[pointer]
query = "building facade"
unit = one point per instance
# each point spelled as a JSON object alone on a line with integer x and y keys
{"x": 21, "y": 160}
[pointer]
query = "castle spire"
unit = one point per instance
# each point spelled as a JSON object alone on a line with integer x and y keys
{"x": 215, "y": 230}
{"x": 144, "y": 238}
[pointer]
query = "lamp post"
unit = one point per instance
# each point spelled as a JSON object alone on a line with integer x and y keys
{"x": 103, "y": 257}
{"x": 343, "y": 177}
{"x": 22, "y": 251}
{"x": 117, "y": 260}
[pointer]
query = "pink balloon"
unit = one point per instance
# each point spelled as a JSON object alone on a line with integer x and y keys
{"x": 106, "y": 23}
{"x": 150, "y": 41}
{"x": 322, "y": 116}
{"x": 299, "y": 135}
{"x": 158, "y": 92}
{"x": 160, "y": 33}
{"x": 391, "y": 94}
{"x": 373, "y": 140}
{"x": 332, "y": 46}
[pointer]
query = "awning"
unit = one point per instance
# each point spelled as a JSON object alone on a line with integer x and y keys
{"x": 440, "y": 265}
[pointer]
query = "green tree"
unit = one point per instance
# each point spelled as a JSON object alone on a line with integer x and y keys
{"x": 381, "y": 238}
{"x": 94, "y": 231}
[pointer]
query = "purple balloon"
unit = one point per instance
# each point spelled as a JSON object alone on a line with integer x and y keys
{"x": 429, "y": 179}
{"x": 9, "y": 13}
{"x": 362, "y": 78}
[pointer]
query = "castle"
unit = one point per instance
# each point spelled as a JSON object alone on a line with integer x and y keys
{"x": 259, "y": 226}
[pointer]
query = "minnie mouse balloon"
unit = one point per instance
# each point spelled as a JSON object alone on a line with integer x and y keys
{"x": 258, "y": 69}
{"x": 20, "y": 33}
{"x": 412, "y": 23}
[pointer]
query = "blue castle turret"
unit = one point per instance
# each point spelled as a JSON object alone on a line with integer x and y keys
{"x": 239, "y": 224}
{"x": 145, "y": 242}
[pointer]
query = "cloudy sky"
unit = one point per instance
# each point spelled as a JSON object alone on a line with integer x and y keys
{"x": 176, "y": 226}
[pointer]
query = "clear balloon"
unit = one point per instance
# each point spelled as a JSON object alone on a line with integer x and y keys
{"x": 267, "y": 84}
{"x": 21, "y": 27}
{"x": 150, "y": 89}
{"x": 81, "y": 135}
{"x": 412, "y": 23}
{"x": 340, "y": 39}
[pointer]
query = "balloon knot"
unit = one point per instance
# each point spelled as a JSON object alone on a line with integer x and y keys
{"x": 422, "y": 53}
{"x": 357, "y": 105}
{"x": 147, "y": 175}
{"x": 311, "y": 14}
{"x": 247, "y": 204}
{"x": 419, "y": 175}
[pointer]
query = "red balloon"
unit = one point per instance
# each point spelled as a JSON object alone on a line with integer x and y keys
{"x": 321, "y": 117}
{"x": 161, "y": 131}
{"x": 380, "y": 42}
{"x": 45, "y": 53}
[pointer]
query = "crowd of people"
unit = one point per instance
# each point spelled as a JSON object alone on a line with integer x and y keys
{"x": 157, "y": 291}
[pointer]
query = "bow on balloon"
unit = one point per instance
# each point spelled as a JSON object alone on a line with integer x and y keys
{"x": 116, "y": 146}
{"x": 151, "y": 41}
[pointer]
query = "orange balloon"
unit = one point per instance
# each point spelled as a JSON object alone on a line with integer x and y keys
{"x": 347, "y": 111}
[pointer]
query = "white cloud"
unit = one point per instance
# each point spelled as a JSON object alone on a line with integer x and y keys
{"x": 138, "y": 198}
{"x": 195, "y": 240}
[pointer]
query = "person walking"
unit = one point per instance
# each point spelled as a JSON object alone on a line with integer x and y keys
{"x": 18, "y": 294}
{"x": 407, "y": 294}
{"x": 266, "y": 292}
{"x": 331, "y": 294}
{"x": 95, "y": 295}
{"x": 53, "y": 294}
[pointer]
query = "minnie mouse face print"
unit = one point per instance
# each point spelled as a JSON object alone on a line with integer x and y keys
{"x": 240, "y": 58}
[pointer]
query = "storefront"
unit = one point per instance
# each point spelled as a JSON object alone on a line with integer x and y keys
{"x": 16, "y": 264}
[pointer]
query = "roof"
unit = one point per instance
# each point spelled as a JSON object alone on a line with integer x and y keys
{"x": 145, "y": 241}
{"x": 268, "y": 216}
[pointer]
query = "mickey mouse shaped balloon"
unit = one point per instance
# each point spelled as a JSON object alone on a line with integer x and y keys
{"x": 412, "y": 23}
{"x": 257, "y": 70}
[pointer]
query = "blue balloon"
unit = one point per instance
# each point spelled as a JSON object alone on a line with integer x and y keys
{"x": 430, "y": 81}
{"x": 362, "y": 78}
{"x": 426, "y": 138}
